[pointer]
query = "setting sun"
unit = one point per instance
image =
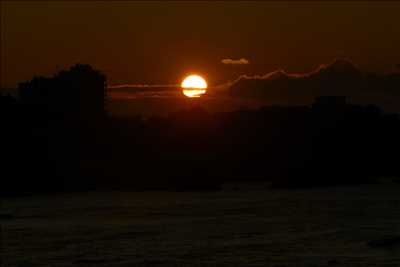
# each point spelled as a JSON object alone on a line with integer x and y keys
{"x": 194, "y": 86}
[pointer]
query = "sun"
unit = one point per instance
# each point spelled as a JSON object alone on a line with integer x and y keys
{"x": 194, "y": 86}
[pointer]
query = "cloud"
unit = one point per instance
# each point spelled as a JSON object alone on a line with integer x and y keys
{"x": 131, "y": 91}
{"x": 340, "y": 77}
{"x": 124, "y": 86}
{"x": 241, "y": 61}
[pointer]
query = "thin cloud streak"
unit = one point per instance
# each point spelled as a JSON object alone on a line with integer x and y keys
{"x": 241, "y": 61}
{"x": 118, "y": 86}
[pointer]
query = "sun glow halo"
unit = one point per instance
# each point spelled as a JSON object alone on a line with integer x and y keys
{"x": 194, "y": 86}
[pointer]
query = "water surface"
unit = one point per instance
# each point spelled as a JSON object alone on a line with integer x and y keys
{"x": 319, "y": 227}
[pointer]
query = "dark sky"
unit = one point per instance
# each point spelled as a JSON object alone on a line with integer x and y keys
{"x": 160, "y": 42}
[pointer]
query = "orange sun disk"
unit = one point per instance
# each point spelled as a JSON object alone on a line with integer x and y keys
{"x": 194, "y": 86}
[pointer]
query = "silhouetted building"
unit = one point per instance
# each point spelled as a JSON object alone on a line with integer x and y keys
{"x": 79, "y": 91}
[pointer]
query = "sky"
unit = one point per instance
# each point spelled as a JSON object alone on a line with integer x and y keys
{"x": 161, "y": 42}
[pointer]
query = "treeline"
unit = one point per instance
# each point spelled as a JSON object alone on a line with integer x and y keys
{"x": 196, "y": 150}
{"x": 328, "y": 143}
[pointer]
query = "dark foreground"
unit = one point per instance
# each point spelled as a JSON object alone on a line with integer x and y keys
{"x": 342, "y": 226}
